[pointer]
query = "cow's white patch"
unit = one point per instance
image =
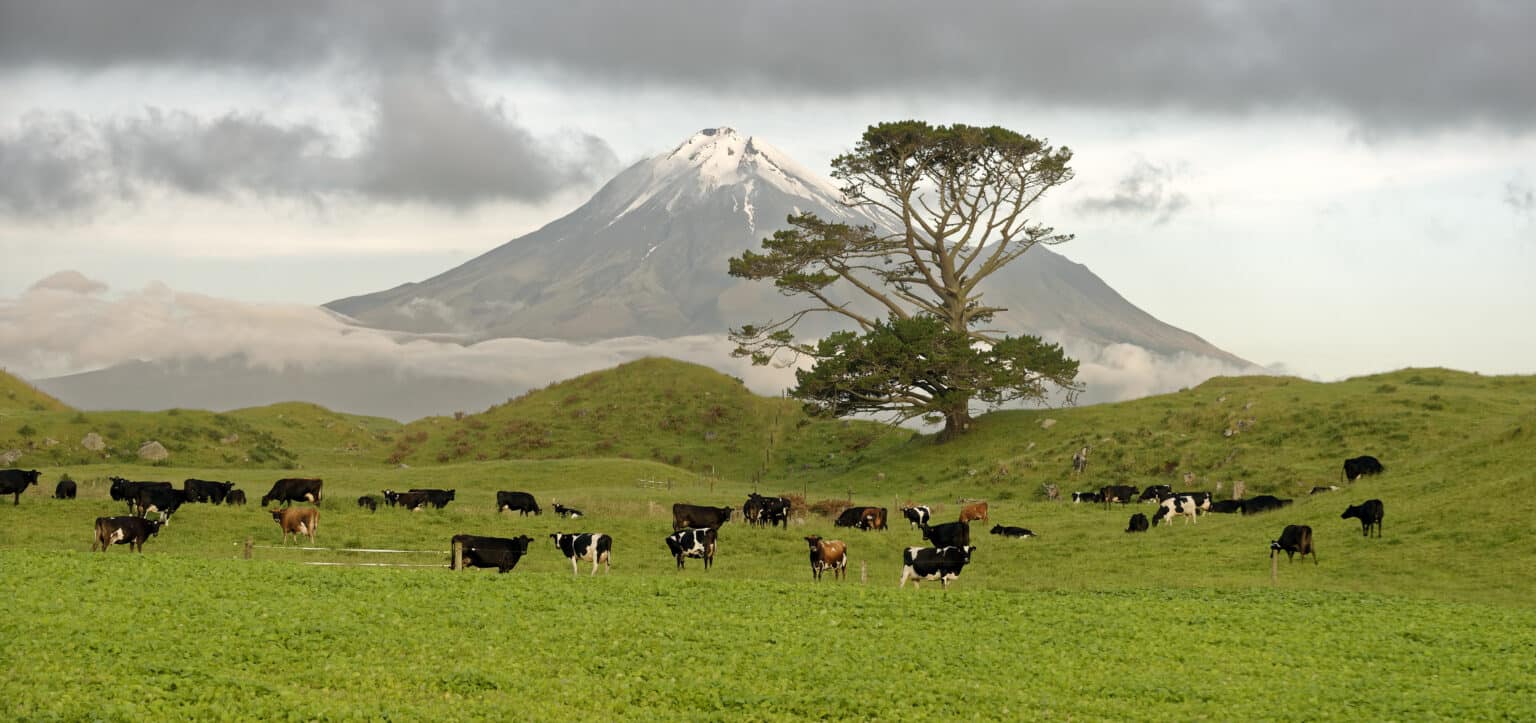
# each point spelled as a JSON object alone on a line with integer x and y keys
{"x": 115, "y": 537}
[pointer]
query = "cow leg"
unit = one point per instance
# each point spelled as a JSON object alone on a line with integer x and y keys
{"x": 574, "y": 570}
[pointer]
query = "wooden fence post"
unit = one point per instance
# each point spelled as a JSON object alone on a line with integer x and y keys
{"x": 458, "y": 555}
{"x": 248, "y": 544}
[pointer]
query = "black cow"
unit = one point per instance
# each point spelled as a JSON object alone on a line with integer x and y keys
{"x": 16, "y": 481}
{"x": 1117, "y": 493}
{"x": 1155, "y": 493}
{"x": 1138, "y": 523}
{"x": 1294, "y": 539}
{"x": 685, "y": 516}
{"x": 130, "y": 531}
{"x": 438, "y": 498}
{"x": 128, "y": 492}
{"x": 864, "y": 518}
{"x": 391, "y": 497}
{"x": 235, "y": 497}
{"x": 520, "y": 501}
{"x": 563, "y": 511}
{"x": 593, "y": 546}
{"x": 501, "y": 553}
{"x": 1357, "y": 467}
{"x": 294, "y": 489}
{"x": 1011, "y": 531}
{"x": 917, "y": 515}
{"x": 933, "y": 563}
{"x": 412, "y": 501}
{"x": 162, "y": 500}
{"x": 1227, "y": 507}
{"x": 948, "y": 534}
{"x": 205, "y": 491}
{"x": 1263, "y": 503}
{"x": 775, "y": 512}
{"x": 752, "y": 509}
{"x": 694, "y": 542}
{"x": 368, "y": 502}
{"x": 1369, "y": 513}
{"x": 64, "y": 490}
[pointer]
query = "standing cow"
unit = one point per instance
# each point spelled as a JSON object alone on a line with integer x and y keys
{"x": 297, "y": 521}
{"x": 16, "y": 481}
{"x": 130, "y": 531}
{"x": 64, "y": 490}
{"x": 501, "y": 553}
{"x": 933, "y": 563}
{"x": 294, "y": 489}
{"x": 1294, "y": 539}
{"x": 1369, "y": 513}
{"x": 695, "y": 542}
{"x": 685, "y": 516}
{"x": 595, "y": 547}
{"x": 917, "y": 515}
{"x": 828, "y": 555}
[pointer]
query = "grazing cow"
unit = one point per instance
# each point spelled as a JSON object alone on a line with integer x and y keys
{"x": 161, "y": 500}
{"x": 933, "y": 563}
{"x": 1202, "y": 499}
{"x": 130, "y": 531}
{"x": 1227, "y": 507}
{"x": 949, "y": 534}
{"x": 501, "y": 553}
{"x": 1184, "y": 505}
{"x": 1294, "y": 539}
{"x": 1263, "y": 503}
{"x": 828, "y": 555}
{"x": 864, "y": 518}
{"x": 1369, "y": 513}
{"x": 1155, "y": 493}
{"x": 438, "y": 498}
{"x": 64, "y": 490}
{"x": 1085, "y": 497}
{"x": 1117, "y": 493}
{"x": 205, "y": 491}
{"x": 128, "y": 492}
{"x": 917, "y": 515}
{"x": 593, "y": 546}
{"x": 15, "y": 481}
{"x": 1138, "y": 523}
{"x": 685, "y": 516}
{"x": 413, "y": 501}
{"x": 693, "y": 542}
{"x": 1011, "y": 531}
{"x": 1357, "y": 467}
{"x": 976, "y": 511}
{"x": 297, "y": 521}
{"x": 368, "y": 502}
{"x": 520, "y": 501}
{"x": 1320, "y": 490}
{"x": 294, "y": 489}
{"x": 564, "y": 511}
{"x": 235, "y": 497}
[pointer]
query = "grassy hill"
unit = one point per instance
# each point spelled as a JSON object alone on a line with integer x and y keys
{"x": 18, "y": 396}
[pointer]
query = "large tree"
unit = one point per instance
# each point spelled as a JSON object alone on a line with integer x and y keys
{"x": 950, "y": 206}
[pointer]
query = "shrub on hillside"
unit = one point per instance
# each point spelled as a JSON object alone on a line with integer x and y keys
{"x": 829, "y": 508}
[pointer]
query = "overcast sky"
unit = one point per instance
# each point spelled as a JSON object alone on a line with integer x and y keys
{"x": 1335, "y": 188}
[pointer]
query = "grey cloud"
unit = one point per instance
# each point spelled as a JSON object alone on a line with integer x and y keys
{"x": 1519, "y": 196}
{"x": 1393, "y": 64}
{"x": 1144, "y": 191}
{"x": 429, "y": 143}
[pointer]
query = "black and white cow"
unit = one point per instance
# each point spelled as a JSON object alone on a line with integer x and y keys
{"x": 521, "y": 502}
{"x": 933, "y": 563}
{"x": 1357, "y": 467}
{"x": 570, "y": 512}
{"x": 501, "y": 553}
{"x": 1155, "y": 493}
{"x": 594, "y": 547}
{"x": 775, "y": 512}
{"x": 948, "y": 534}
{"x": 368, "y": 502}
{"x": 1294, "y": 539}
{"x": 64, "y": 490}
{"x": 1078, "y": 497}
{"x": 1175, "y": 506}
{"x": 1321, "y": 490}
{"x": 130, "y": 531}
{"x": 917, "y": 515}
{"x": 1138, "y": 523}
{"x": 1011, "y": 531}
{"x": 1369, "y": 513}
{"x": 16, "y": 481}
{"x": 697, "y": 542}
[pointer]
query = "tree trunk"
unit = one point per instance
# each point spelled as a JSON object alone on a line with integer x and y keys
{"x": 957, "y": 421}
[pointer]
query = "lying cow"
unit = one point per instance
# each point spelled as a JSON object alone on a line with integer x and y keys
{"x": 15, "y": 481}
{"x": 1263, "y": 503}
{"x": 1011, "y": 531}
{"x": 297, "y": 521}
{"x": 828, "y": 555}
{"x": 235, "y": 497}
{"x": 368, "y": 502}
{"x": 595, "y": 547}
{"x": 1357, "y": 467}
{"x": 501, "y": 553}
{"x": 917, "y": 515}
{"x": 975, "y": 511}
{"x": 1078, "y": 497}
{"x": 1227, "y": 507}
{"x": 1294, "y": 539}
{"x": 1369, "y": 513}
{"x": 1321, "y": 490}
{"x": 933, "y": 563}
{"x": 130, "y": 531}
{"x": 696, "y": 542}
{"x": 1138, "y": 523}
{"x": 570, "y": 512}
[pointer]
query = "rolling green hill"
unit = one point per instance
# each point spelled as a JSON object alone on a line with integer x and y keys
{"x": 18, "y": 396}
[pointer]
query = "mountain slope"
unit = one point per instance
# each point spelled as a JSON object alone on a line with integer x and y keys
{"x": 19, "y": 396}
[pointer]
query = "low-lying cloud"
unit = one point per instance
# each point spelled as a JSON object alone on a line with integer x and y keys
{"x": 1146, "y": 191}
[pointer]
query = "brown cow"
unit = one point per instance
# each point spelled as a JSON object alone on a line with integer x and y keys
{"x": 297, "y": 521}
{"x": 828, "y": 554}
{"x": 976, "y": 511}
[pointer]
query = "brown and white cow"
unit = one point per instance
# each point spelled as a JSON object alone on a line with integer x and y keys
{"x": 828, "y": 555}
{"x": 975, "y": 511}
{"x": 297, "y": 521}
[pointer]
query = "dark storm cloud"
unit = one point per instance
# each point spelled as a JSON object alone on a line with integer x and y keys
{"x": 429, "y": 143}
{"x": 1144, "y": 191}
{"x": 1389, "y": 64}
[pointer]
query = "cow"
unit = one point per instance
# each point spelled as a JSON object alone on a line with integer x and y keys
{"x": 1078, "y": 497}
{"x": 933, "y": 563}
{"x": 15, "y": 481}
{"x": 297, "y": 521}
{"x": 294, "y": 489}
{"x": 685, "y": 516}
{"x": 438, "y": 498}
{"x": 205, "y": 491}
{"x": 1155, "y": 493}
{"x": 1263, "y": 503}
{"x": 64, "y": 490}
{"x": 864, "y": 518}
{"x": 1138, "y": 523}
{"x": 975, "y": 511}
{"x": 1011, "y": 531}
{"x": 593, "y": 546}
{"x": 1321, "y": 490}
{"x": 368, "y": 502}
{"x": 413, "y": 501}
{"x": 1369, "y": 513}
{"x": 391, "y": 497}
{"x": 501, "y": 553}
{"x": 563, "y": 511}
{"x": 235, "y": 497}
{"x": 775, "y": 512}
{"x": 1357, "y": 467}
{"x": 1117, "y": 493}
{"x": 130, "y": 531}
{"x": 752, "y": 509}
{"x": 1227, "y": 507}
{"x": 693, "y": 542}
{"x": 949, "y": 534}
{"x": 1185, "y": 505}
{"x": 520, "y": 501}
{"x": 161, "y": 500}
{"x": 828, "y": 555}
{"x": 917, "y": 515}
{"x": 128, "y": 492}
{"x": 1294, "y": 539}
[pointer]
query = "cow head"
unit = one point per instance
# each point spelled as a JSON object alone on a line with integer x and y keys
{"x": 813, "y": 541}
